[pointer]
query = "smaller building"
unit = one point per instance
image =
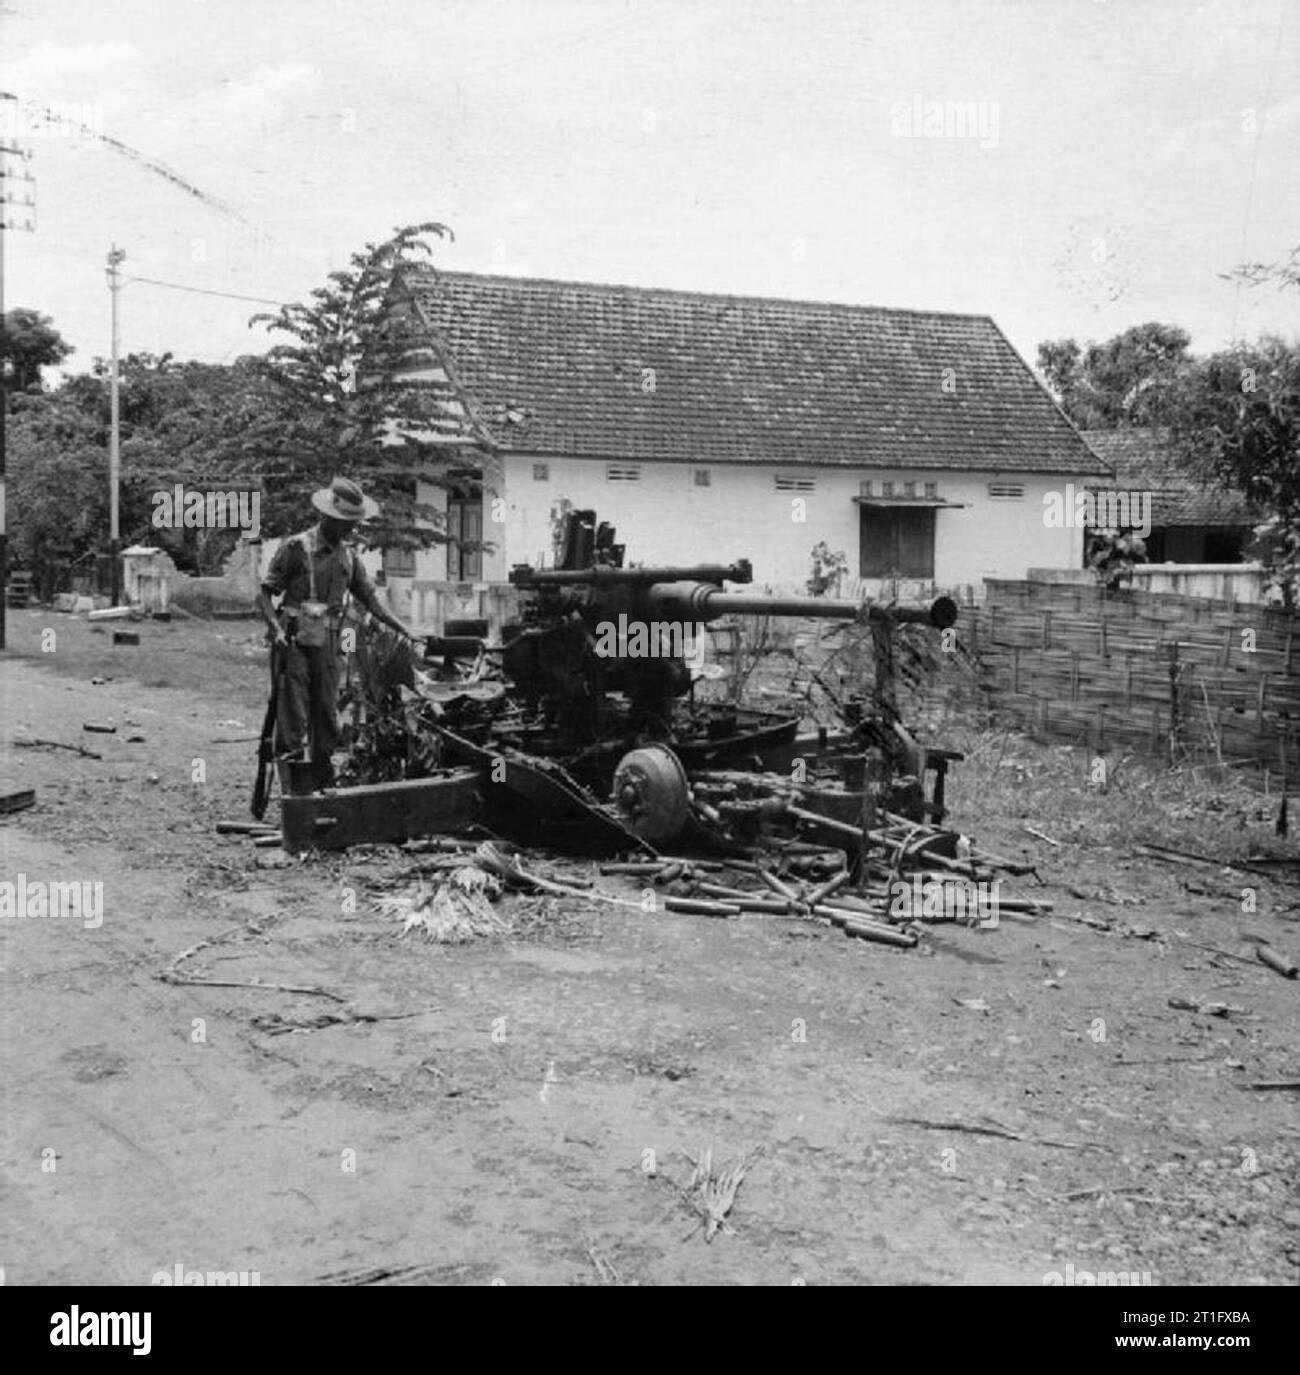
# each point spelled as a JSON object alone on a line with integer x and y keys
{"x": 1191, "y": 521}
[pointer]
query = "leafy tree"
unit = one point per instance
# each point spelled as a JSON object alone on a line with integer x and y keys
{"x": 30, "y": 342}
{"x": 342, "y": 405}
{"x": 58, "y": 490}
{"x": 1128, "y": 381}
{"x": 1238, "y": 420}
{"x": 180, "y": 422}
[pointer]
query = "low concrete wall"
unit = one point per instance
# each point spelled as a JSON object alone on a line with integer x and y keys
{"x": 231, "y": 594}
{"x": 1241, "y": 582}
{"x": 1073, "y": 577}
{"x": 428, "y": 605}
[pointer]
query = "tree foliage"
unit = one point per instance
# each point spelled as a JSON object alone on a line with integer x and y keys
{"x": 1127, "y": 381}
{"x": 1112, "y": 556}
{"x": 57, "y": 489}
{"x": 29, "y": 343}
{"x": 829, "y": 569}
{"x": 342, "y": 404}
{"x": 329, "y": 401}
{"x": 1238, "y": 422}
{"x": 179, "y": 422}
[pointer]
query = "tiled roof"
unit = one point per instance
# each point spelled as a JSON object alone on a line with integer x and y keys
{"x": 1145, "y": 461}
{"x": 568, "y": 368}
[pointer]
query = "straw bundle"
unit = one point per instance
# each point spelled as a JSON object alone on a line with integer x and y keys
{"x": 455, "y": 909}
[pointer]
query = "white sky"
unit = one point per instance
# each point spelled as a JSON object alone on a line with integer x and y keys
{"x": 711, "y": 145}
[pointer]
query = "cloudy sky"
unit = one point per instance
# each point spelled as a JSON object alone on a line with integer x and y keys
{"x": 1122, "y": 154}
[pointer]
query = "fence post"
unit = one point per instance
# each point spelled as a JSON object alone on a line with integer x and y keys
{"x": 1175, "y": 721}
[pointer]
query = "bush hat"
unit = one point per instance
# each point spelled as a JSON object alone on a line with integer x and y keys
{"x": 344, "y": 500}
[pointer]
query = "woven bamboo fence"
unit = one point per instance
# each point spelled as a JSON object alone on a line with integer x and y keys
{"x": 1157, "y": 672}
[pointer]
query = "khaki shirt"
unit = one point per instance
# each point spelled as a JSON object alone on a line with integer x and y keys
{"x": 338, "y": 571}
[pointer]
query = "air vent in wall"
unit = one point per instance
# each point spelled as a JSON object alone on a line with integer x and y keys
{"x": 795, "y": 484}
{"x": 1006, "y": 491}
{"x": 623, "y": 472}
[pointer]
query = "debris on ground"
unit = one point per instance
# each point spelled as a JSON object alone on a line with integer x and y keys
{"x": 604, "y": 1267}
{"x": 37, "y": 742}
{"x": 1284, "y": 966}
{"x": 566, "y": 748}
{"x": 712, "y": 1195}
{"x": 453, "y": 908}
{"x": 1205, "y": 1009}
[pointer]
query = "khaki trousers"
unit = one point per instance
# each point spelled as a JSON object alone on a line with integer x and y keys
{"x": 307, "y": 722}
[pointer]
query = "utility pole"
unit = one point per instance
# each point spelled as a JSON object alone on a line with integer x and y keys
{"x": 17, "y": 195}
{"x": 115, "y": 256}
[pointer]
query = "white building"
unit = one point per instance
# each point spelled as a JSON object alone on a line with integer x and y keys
{"x": 710, "y": 428}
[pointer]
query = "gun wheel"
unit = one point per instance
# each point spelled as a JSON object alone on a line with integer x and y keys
{"x": 651, "y": 793}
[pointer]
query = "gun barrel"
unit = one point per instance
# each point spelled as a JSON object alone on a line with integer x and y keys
{"x": 697, "y": 601}
{"x": 524, "y": 575}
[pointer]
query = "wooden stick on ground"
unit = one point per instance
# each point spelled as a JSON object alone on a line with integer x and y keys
{"x": 170, "y": 976}
{"x": 988, "y": 1131}
{"x": 782, "y": 889}
{"x": 23, "y": 743}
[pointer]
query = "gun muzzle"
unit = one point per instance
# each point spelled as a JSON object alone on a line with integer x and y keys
{"x": 697, "y": 601}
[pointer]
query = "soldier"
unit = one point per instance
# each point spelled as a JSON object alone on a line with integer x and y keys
{"x": 313, "y": 572}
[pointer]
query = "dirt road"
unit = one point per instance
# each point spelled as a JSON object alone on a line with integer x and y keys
{"x": 525, "y": 1110}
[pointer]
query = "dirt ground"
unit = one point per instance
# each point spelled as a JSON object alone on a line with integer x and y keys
{"x": 525, "y": 1110}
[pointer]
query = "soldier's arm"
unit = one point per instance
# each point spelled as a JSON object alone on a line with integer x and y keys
{"x": 273, "y": 585}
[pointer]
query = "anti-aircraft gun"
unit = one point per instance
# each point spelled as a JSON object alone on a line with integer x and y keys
{"x": 592, "y": 735}
{"x": 602, "y": 652}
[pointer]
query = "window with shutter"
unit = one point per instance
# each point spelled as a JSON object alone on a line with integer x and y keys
{"x": 399, "y": 563}
{"x": 896, "y": 541}
{"x": 464, "y": 526}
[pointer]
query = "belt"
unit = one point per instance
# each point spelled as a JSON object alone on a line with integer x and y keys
{"x": 333, "y": 619}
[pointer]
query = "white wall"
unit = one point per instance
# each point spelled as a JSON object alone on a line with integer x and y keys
{"x": 665, "y": 518}
{"x": 1244, "y": 581}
